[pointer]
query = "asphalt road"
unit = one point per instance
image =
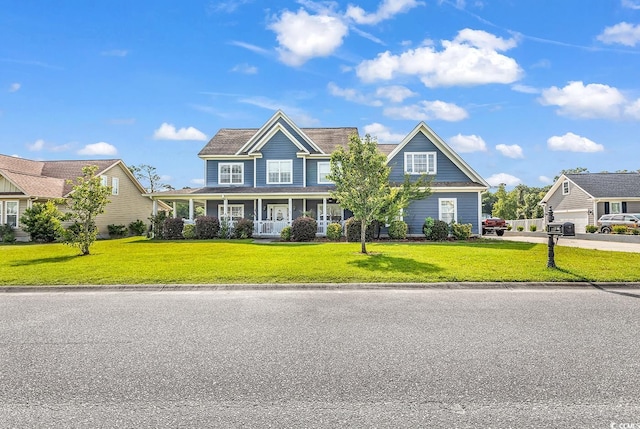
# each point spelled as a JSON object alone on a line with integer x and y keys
{"x": 332, "y": 358}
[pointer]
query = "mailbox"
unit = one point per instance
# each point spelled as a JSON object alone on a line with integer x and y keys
{"x": 566, "y": 229}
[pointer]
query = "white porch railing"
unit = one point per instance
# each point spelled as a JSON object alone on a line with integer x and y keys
{"x": 272, "y": 228}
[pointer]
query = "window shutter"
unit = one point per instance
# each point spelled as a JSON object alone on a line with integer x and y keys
{"x": 624, "y": 207}
{"x": 606, "y": 208}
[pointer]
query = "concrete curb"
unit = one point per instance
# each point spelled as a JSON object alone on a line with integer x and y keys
{"x": 318, "y": 286}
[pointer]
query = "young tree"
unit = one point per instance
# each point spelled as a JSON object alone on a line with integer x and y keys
{"x": 361, "y": 178}
{"x": 43, "y": 221}
{"x": 87, "y": 200}
{"x": 147, "y": 175}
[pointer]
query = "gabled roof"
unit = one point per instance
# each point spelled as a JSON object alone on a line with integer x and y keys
{"x": 601, "y": 185}
{"x": 443, "y": 147}
{"x": 48, "y": 179}
{"x": 242, "y": 141}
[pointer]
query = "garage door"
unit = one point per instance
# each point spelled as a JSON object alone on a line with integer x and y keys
{"x": 579, "y": 218}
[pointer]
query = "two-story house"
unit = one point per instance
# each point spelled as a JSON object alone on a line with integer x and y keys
{"x": 278, "y": 172}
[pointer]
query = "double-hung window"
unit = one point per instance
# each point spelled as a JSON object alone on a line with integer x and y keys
{"x": 447, "y": 209}
{"x": 11, "y": 213}
{"x": 234, "y": 212}
{"x": 280, "y": 172}
{"x": 324, "y": 169}
{"x": 565, "y": 187}
{"x": 115, "y": 186}
{"x": 104, "y": 180}
{"x": 420, "y": 162}
{"x": 231, "y": 173}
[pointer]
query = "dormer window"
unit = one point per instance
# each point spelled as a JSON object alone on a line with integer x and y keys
{"x": 420, "y": 163}
{"x": 231, "y": 173}
{"x": 279, "y": 172}
{"x": 565, "y": 187}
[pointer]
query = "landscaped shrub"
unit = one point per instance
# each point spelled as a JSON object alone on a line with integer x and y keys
{"x": 635, "y": 231}
{"x": 520, "y": 228}
{"x": 461, "y": 231}
{"x": 157, "y": 222}
{"x": 207, "y": 227}
{"x": 619, "y": 229}
{"x": 189, "y": 231}
{"x": 334, "y": 231}
{"x": 117, "y": 231}
{"x": 398, "y": 230}
{"x": 172, "y": 228}
{"x": 304, "y": 229}
{"x": 6, "y": 233}
{"x": 243, "y": 229}
{"x": 137, "y": 227}
{"x": 509, "y": 227}
{"x": 43, "y": 222}
{"x": 533, "y": 228}
{"x": 591, "y": 228}
{"x": 285, "y": 234}
{"x": 439, "y": 231}
{"x": 353, "y": 231}
{"x": 427, "y": 226}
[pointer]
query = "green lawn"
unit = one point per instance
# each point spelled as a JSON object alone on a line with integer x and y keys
{"x": 141, "y": 261}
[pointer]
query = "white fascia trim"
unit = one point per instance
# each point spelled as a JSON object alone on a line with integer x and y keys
{"x": 226, "y": 157}
{"x": 557, "y": 186}
{"x": 267, "y": 137}
{"x": 444, "y": 148}
{"x": 459, "y": 189}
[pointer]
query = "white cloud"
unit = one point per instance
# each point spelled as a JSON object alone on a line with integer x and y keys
{"x": 525, "y": 89}
{"x": 250, "y": 47}
{"x": 428, "y": 110}
{"x": 510, "y": 151}
{"x": 545, "y": 180}
{"x": 631, "y": 4}
{"x": 633, "y": 110}
{"x": 395, "y": 93}
{"x": 15, "y": 87}
{"x": 468, "y": 144}
{"x": 500, "y": 178}
{"x": 100, "y": 148}
{"x": 36, "y": 146}
{"x": 245, "y": 69}
{"x": 115, "y": 53}
{"x": 623, "y": 33}
{"x": 302, "y": 36}
{"x": 382, "y": 133}
{"x": 386, "y": 10}
{"x": 352, "y": 95}
{"x": 169, "y": 132}
{"x": 591, "y": 101}
{"x": 573, "y": 143}
{"x": 472, "y": 58}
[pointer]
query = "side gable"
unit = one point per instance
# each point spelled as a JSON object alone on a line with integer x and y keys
{"x": 450, "y": 166}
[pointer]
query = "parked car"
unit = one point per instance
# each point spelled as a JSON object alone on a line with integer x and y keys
{"x": 608, "y": 221}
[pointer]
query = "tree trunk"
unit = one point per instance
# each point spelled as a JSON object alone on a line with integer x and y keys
{"x": 363, "y": 236}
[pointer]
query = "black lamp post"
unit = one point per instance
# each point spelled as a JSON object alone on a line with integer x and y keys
{"x": 551, "y": 263}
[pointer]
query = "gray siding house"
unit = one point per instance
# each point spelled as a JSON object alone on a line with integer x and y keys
{"x": 278, "y": 172}
{"x": 583, "y": 198}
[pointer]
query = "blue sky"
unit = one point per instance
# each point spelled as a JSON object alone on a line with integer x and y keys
{"x": 520, "y": 88}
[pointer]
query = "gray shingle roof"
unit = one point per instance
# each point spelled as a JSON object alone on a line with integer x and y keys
{"x": 608, "y": 185}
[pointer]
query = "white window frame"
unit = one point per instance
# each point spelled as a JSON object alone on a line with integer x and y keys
{"x": 617, "y": 204}
{"x": 104, "y": 180}
{"x": 565, "y": 188}
{"x": 231, "y": 173}
{"x": 2, "y": 222}
{"x": 331, "y": 208}
{"x": 230, "y": 210}
{"x": 455, "y": 208}
{"x": 6, "y": 212}
{"x": 279, "y": 163}
{"x": 431, "y": 167}
{"x": 328, "y": 166}
{"x": 115, "y": 186}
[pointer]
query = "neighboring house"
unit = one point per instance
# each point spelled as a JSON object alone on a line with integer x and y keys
{"x": 24, "y": 182}
{"x": 583, "y": 198}
{"x": 278, "y": 172}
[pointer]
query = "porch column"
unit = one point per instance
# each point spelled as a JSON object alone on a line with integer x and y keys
{"x": 259, "y": 209}
{"x": 154, "y": 210}
{"x": 225, "y": 210}
{"x": 290, "y": 210}
{"x": 175, "y": 209}
{"x": 324, "y": 215}
{"x": 304, "y": 205}
{"x": 190, "y": 208}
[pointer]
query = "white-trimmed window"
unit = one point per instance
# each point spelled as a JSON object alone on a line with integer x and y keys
{"x": 448, "y": 209}
{"x": 615, "y": 207}
{"x": 420, "y": 163}
{"x": 280, "y": 171}
{"x": 324, "y": 169}
{"x": 115, "y": 186}
{"x": 104, "y": 180}
{"x": 565, "y": 187}
{"x": 11, "y": 213}
{"x": 334, "y": 212}
{"x": 234, "y": 211}
{"x": 231, "y": 173}
{"x": 1, "y": 212}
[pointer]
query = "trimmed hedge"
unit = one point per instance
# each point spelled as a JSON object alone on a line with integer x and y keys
{"x": 435, "y": 230}
{"x": 334, "y": 231}
{"x": 304, "y": 229}
{"x": 243, "y": 229}
{"x": 207, "y": 227}
{"x": 398, "y": 230}
{"x": 172, "y": 228}
{"x": 353, "y": 231}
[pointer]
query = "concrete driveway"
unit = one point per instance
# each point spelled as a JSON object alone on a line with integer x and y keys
{"x": 581, "y": 240}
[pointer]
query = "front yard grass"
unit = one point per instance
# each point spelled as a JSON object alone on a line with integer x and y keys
{"x": 140, "y": 261}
